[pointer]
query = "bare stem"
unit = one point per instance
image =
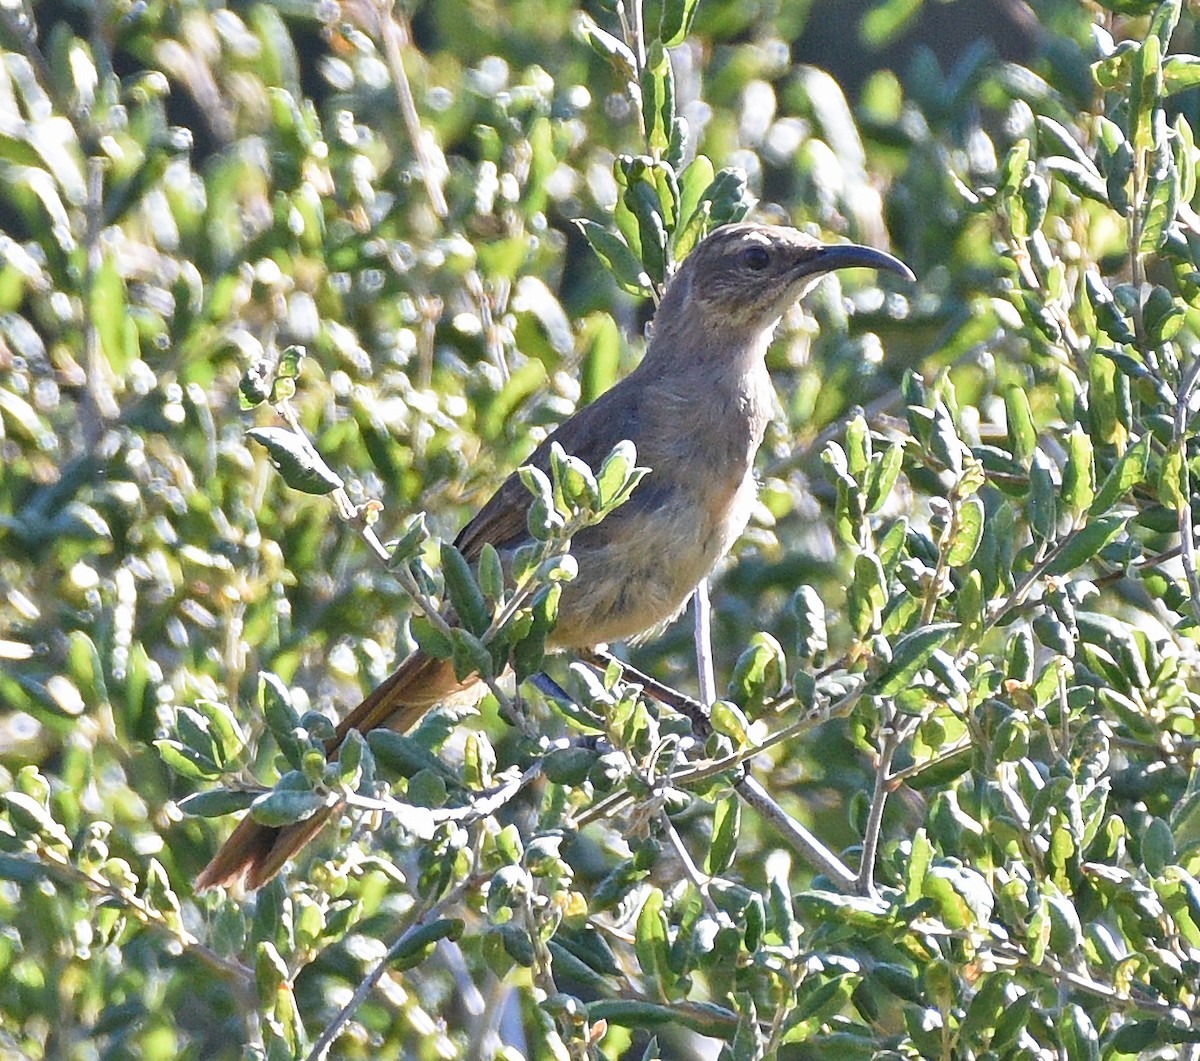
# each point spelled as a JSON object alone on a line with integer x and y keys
{"x": 1187, "y": 537}
{"x": 803, "y": 842}
{"x": 893, "y": 735}
{"x": 334, "y": 1028}
{"x": 55, "y": 864}
{"x": 702, "y": 612}
{"x": 692, "y": 871}
{"x": 395, "y": 35}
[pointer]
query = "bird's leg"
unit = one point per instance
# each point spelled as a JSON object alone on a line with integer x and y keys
{"x": 693, "y": 710}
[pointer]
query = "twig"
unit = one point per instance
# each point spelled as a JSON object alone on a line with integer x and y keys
{"x": 1117, "y": 999}
{"x": 482, "y": 804}
{"x": 601, "y": 659}
{"x": 1187, "y": 539}
{"x": 334, "y": 1028}
{"x": 698, "y": 879}
{"x": 755, "y": 796}
{"x": 801, "y": 840}
{"x": 815, "y": 717}
{"x": 54, "y": 864}
{"x": 395, "y": 35}
{"x": 702, "y": 634}
{"x": 893, "y": 734}
{"x": 1157, "y": 560}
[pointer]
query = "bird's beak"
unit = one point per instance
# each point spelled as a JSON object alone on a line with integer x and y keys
{"x": 851, "y": 256}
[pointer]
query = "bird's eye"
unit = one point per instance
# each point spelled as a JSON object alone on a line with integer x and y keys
{"x": 756, "y": 258}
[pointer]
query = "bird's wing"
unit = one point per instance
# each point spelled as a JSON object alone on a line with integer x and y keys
{"x": 589, "y": 434}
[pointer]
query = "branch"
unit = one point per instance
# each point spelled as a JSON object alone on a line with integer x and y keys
{"x": 1187, "y": 537}
{"x": 803, "y": 842}
{"x": 334, "y": 1028}
{"x": 55, "y": 864}
{"x": 702, "y": 634}
{"x": 893, "y": 735}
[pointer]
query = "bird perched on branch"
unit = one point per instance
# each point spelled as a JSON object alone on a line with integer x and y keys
{"x": 696, "y": 409}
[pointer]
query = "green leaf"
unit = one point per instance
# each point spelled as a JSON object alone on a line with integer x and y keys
{"x": 910, "y": 654}
{"x": 1022, "y": 435}
{"x": 706, "y": 1018}
{"x": 1158, "y": 847}
{"x": 1125, "y": 474}
{"x": 642, "y": 201}
{"x": 29, "y": 816}
{"x": 620, "y": 261}
{"x": 527, "y": 654}
{"x": 812, "y": 638}
{"x": 228, "y": 738}
{"x": 1180, "y": 73}
{"x": 608, "y": 47}
{"x": 727, "y": 821}
{"x": 968, "y": 532}
{"x": 759, "y": 674}
{"x": 464, "y": 592}
{"x": 1162, "y": 315}
{"x": 858, "y": 448}
{"x": 676, "y": 20}
{"x": 298, "y": 462}
{"x": 1161, "y": 205}
{"x": 658, "y": 101}
{"x": 1172, "y": 492}
{"x": 600, "y": 341}
{"x": 286, "y": 806}
{"x": 618, "y": 475}
{"x": 1144, "y": 90}
{"x": 651, "y": 946}
{"x": 187, "y": 762}
{"x": 882, "y": 476}
{"x": 1108, "y": 314}
{"x": 1079, "y": 1035}
{"x": 418, "y": 943}
{"x": 491, "y": 572}
{"x": 281, "y": 717}
{"x": 216, "y": 802}
{"x": 110, "y": 314}
{"x": 694, "y": 181}
{"x": 1040, "y": 507}
{"x": 1079, "y": 474}
{"x": 1082, "y": 545}
{"x": 961, "y": 896}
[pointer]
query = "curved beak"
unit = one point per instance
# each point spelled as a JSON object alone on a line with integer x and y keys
{"x": 853, "y": 255}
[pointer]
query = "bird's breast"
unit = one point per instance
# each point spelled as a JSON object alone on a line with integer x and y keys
{"x": 639, "y": 566}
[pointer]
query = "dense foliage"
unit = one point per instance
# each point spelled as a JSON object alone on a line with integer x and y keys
{"x": 287, "y": 288}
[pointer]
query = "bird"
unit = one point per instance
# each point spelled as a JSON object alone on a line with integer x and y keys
{"x": 695, "y": 408}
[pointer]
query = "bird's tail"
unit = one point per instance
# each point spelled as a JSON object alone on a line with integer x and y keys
{"x": 259, "y": 851}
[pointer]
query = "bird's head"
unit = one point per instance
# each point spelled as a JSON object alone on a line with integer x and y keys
{"x": 741, "y": 278}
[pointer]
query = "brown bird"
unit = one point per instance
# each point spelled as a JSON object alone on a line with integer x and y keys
{"x": 695, "y": 408}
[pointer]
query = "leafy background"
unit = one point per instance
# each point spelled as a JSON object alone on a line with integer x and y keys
{"x": 222, "y": 217}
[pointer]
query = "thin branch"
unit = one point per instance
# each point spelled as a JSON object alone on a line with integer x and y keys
{"x": 1187, "y": 537}
{"x": 755, "y": 796}
{"x": 702, "y": 634}
{"x": 893, "y": 735}
{"x": 1157, "y": 560}
{"x": 803, "y": 842}
{"x": 334, "y": 1028}
{"x": 601, "y": 659}
{"x": 691, "y": 870}
{"x": 395, "y": 36}
{"x": 55, "y": 864}
{"x": 1048, "y": 966}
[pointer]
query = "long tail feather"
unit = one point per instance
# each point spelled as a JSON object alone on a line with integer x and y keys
{"x": 258, "y": 851}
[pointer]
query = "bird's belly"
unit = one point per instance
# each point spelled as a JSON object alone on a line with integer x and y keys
{"x": 641, "y": 572}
